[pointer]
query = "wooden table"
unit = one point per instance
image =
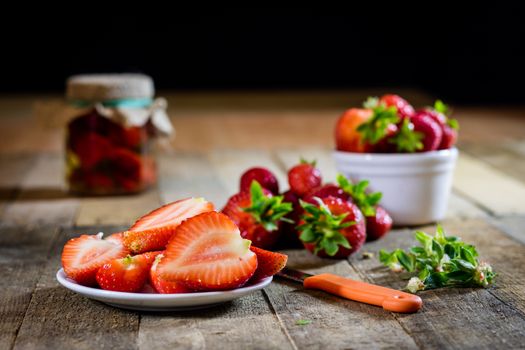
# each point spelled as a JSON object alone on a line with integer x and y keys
{"x": 219, "y": 136}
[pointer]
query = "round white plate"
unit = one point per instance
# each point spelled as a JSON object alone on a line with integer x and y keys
{"x": 159, "y": 302}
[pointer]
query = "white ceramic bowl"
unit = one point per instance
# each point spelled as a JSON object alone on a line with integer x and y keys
{"x": 160, "y": 302}
{"x": 415, "y": 186}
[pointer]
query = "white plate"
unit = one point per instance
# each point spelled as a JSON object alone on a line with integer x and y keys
{"x": 159, "y": 302}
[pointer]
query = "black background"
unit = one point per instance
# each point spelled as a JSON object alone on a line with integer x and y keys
{"x": 471, "y": 55}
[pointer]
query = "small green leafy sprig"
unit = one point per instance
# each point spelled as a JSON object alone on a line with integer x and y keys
{"x": 365, "y": 201}
{"x": 444, "y": 109}
{"x": 322, "y": 228}
{"x": 267, "y": 210}
{"x": 440, "y": 261}
{"x": 376, "y": 128}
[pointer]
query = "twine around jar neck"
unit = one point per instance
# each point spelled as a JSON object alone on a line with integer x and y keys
{"x": 117, "y": 103}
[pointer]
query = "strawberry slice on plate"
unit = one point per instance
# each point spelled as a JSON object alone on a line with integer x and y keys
{"x": 84, "y": 255}
{"x": 207, "y": 253}
{"x": 268, "y": 263}
{"x": 162, "y": 286}
{"x": 127, "y": 274}
{"x": 153, "y": 230}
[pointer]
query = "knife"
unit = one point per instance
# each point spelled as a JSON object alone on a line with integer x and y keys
{"x": 390, "y": 299}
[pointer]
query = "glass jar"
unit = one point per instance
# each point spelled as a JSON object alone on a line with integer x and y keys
{"x": 110, "y": 133}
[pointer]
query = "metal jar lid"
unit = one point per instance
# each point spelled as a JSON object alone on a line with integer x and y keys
{"x": 104, "y": 87}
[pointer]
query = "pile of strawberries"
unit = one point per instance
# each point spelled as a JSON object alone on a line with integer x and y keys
{"x": 330, "y": 220}
{"x": 182, "y": 247}
{"x": 391, "y": 125}
{"x": 104, "y": 157}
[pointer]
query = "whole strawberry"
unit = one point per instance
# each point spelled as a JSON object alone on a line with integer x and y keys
{"x": 324, "y": 191}
{"x": 431, "y": 130}
{"x": 347, "y": 138}
{"x": 450, "y": 136}
{"x": 304, "y": 177}
{"x": 332, "y": 228}
{"x": 258, "y": 215}
{"x": 404, "y": 109}
{"x": 378, "y": 221}
{"x": 378, "y": 224}
{"x": 263, "y": 176}
{"x": 449, "y": 125}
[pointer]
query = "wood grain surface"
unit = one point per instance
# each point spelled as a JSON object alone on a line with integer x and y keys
{"x": 219, "y": 135}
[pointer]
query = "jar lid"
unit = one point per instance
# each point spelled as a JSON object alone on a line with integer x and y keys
{"x": 104, "y": 87}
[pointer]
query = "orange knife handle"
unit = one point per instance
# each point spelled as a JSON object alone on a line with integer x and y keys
{"x": 389, "y": 299}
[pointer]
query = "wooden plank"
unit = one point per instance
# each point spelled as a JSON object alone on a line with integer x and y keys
{"x": 23, "y": 254}
{"x": 512, "y": 225}
{"x": 246, "y": 323}
{"x": 42, "y": 198}
{"x": 229, "y": 165}
{"x": 507, "y": 157}
{"x": 495, "y": 316}
{"x": 185, "y": 175}
{"x": 488, "y": 186}
{"x": 58, "y": 318}
{"x": 12, "y": 171}
{"x": 117, "y": 210}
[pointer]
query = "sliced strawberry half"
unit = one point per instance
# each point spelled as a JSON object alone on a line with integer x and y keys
{"x": 153, "y": 230}
{"x": 268, "y": 263}
{"x": 208, "y": 253}
{"x": 162, "y": 286}
{"x": 84, "y": 255}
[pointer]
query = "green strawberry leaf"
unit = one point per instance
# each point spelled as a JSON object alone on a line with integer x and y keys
{"x": 303, "y": 322}
{"x": 406, "y": 139}
{"x": 376, "y": 128}
{"x": 453, "y": 123}
{"x": 322, "y": 228}
{"x": 366, "y": 202}
{"x": 440, "y": 107}
{"x": 267, "y": 210}
{"x": 304, "y": 161}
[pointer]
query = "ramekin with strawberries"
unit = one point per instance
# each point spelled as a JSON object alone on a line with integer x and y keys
{"x": 407, "y": 154}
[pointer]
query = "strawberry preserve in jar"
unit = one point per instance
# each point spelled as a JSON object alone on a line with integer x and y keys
{"x": 112, "y": 122}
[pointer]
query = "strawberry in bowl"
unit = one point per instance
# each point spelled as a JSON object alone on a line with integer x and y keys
{"x": 407, "y": 154}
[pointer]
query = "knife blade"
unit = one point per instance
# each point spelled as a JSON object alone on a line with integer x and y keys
{"x": 390, "y": 299}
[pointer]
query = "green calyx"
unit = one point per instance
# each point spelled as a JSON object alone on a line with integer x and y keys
{"x": 441, "y": 107}
{"x": 304, "y": 161}
{"x": 267, "y": 210}
{"x": 406, "y": 139}
{"x": 365, "y": 201}
{"x": 444, "y": 109}
{"x": 376, "y": 128}
{"x": 440, "y": 261}
{"x": 322, "y": 228}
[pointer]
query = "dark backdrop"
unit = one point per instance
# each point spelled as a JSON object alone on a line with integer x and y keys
{"x": 475, "y": 55}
